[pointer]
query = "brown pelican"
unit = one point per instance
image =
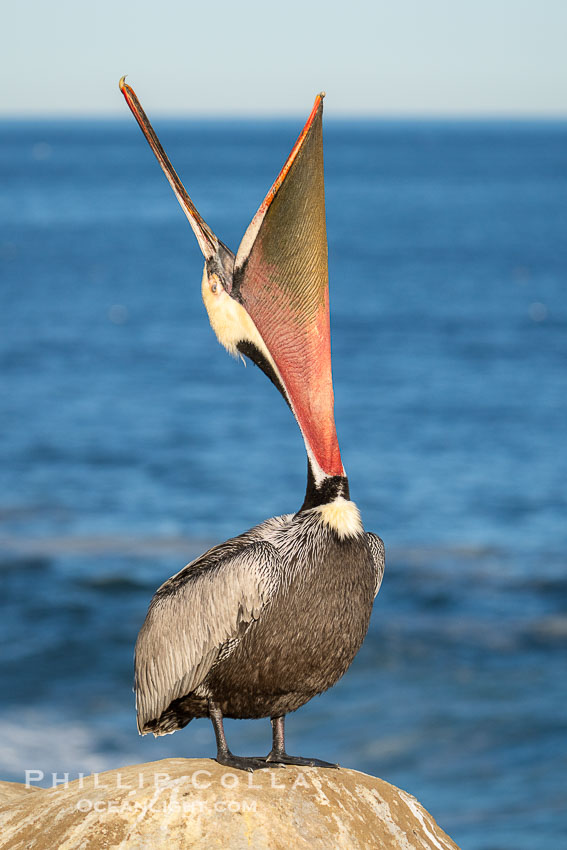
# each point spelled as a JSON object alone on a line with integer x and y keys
{"x": 259, "y": 625}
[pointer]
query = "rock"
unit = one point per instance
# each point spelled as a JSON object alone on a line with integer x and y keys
{"x": 10, "y": 792}
{"x": 177, "y": 804}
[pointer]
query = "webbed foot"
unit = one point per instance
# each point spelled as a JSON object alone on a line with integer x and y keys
{"x": 241, "y": 762}
{"x": 283, "y": 759}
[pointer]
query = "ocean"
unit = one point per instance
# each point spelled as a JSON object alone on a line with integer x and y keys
{"x": 131, "y": 442}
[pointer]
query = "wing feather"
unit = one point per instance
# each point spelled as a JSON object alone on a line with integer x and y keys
{"x": 376, "y": 547}
{"x": 191, "y": 617}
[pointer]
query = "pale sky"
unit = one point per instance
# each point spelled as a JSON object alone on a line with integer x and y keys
{"x": 246, "y": 57}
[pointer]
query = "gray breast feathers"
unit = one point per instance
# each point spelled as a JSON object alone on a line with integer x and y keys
{"x": 193, "y": 615}
{"x": 376, "y": 547}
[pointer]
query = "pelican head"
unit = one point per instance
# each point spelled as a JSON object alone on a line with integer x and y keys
{"x": 270, "y": 301}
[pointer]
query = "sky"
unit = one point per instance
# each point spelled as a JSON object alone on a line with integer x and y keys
{"x": 256, "y": 57}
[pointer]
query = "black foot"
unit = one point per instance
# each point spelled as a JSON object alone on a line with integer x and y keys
{"x": 243, "y": 763}
{"x": 283, "y": 758}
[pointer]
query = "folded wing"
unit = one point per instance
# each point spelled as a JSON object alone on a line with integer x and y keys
{"x": 210, "y": 603}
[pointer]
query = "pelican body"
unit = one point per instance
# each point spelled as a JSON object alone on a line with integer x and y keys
{"x": 260, "y": 624}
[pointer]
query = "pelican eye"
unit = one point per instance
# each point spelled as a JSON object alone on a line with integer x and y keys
{"x": 214, "y": 283}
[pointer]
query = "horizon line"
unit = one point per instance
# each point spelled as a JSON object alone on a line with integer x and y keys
{"x": 383, "y": 115}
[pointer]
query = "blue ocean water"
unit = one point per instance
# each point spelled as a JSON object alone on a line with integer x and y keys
{"x": 131, "y": 442}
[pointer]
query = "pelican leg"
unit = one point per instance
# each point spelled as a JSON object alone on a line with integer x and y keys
{"x": 278, "y": 753}
{"x": 224, "y": 756}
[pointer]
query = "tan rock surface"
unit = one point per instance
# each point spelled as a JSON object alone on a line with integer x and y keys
{"x": 177, "y": 804}
{"x": 11, "y": 792}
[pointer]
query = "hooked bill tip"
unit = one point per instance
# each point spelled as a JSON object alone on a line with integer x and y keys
{"x": 121, "y": 84}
